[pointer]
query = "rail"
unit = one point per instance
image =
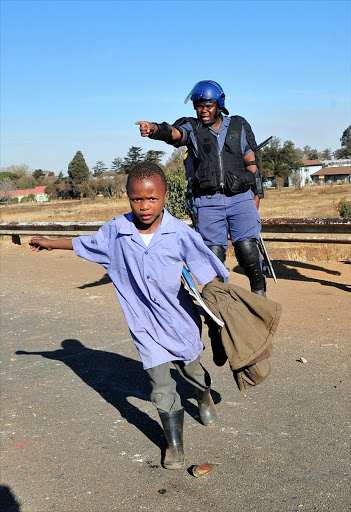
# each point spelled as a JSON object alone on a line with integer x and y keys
{"x": 273, "y": 229}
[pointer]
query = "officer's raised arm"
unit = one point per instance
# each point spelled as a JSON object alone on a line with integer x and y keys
{"x": 162, "y": 131}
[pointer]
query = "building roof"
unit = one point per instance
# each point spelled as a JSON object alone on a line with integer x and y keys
{"x": 310, "y": 163}
{"x": 332, "y": 171}
{"x": 24, "y": 192}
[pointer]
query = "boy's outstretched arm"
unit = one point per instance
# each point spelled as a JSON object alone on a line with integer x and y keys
{"x": 38, "y": 243}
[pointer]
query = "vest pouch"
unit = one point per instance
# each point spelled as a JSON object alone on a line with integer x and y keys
{"x": 239, "y": 181}
{"x": 207, "y": 177}
{"x": 232, "y": 142}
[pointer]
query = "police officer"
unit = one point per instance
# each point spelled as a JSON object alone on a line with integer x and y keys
{"x": 223, "y": 173}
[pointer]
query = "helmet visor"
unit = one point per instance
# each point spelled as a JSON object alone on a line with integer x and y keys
{"x": 206, "y": 90}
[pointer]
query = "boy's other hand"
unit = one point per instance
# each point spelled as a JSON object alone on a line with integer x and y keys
{"x": 146, "y": 128}
{"x": 38, "y": 243}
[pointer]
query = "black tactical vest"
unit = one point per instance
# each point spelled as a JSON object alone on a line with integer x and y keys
{"x": 221, "y": 171}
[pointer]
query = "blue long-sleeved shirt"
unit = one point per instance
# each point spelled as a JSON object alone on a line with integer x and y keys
{"x": 161, "y": 316}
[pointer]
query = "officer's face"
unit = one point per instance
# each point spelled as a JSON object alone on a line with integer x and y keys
{"x": 147, "y": 199}
{"x": 206, "y": 112}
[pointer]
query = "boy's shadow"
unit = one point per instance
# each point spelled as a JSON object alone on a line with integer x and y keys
{"x": 116, "y": 377}
{"x": 8, "y": 500}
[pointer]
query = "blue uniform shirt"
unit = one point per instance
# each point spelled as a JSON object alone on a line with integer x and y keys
{"x": 161, "y": 316}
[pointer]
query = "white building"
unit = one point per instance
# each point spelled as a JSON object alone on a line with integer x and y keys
{"x": 308, "y": 167}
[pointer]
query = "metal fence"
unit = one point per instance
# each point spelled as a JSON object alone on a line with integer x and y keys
{"x": 308, "y": 230}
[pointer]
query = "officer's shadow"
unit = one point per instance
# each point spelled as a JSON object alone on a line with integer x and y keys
{"x": 115, "y": 378}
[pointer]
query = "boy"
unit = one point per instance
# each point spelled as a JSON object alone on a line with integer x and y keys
{"x": 143, "y": 253}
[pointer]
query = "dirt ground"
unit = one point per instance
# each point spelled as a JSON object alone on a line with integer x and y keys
{"x": 78, "y": 438}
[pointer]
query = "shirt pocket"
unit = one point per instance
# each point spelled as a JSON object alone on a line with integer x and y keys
{"x": 171, "y": 276}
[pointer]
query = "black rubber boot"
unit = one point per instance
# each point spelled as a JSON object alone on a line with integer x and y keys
{"x": 172, "y": 423}
{"x": 207, "y": 408}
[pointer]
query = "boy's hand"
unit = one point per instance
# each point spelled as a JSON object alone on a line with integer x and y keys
{"x": 38, "y": 243}
{"x": 146, "y": 128}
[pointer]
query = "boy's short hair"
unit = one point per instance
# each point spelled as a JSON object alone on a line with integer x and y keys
{"x": 146, "y": 170}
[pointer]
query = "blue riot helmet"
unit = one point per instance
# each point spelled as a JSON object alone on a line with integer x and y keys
{"x": 210, "y": 91}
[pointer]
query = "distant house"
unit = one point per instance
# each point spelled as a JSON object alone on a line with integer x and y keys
{"x": 38, "y": 192}
{"x": 332, "y": 175}
{"x": 306, "y": 170}
{"x": 337, "y": 163}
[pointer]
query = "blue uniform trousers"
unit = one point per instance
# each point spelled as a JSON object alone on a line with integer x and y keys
{"x": 219, "y": 215}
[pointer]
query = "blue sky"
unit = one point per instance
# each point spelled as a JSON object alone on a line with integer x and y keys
{"x": 76, "y": 75}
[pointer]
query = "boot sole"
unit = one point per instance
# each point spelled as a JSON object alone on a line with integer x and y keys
{"x": 174, "y": 466}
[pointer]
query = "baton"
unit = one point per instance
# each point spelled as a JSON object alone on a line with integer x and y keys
{"x": 266, "y": 258}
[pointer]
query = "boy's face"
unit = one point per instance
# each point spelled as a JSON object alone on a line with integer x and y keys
{"x": 147, "y": 199}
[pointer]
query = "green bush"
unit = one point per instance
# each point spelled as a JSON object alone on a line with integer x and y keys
{"x": 177, "y": 186}
{"x": 14, "y": 200}
{"x": 344, "y": 208}
{"x": 28, "y": 199}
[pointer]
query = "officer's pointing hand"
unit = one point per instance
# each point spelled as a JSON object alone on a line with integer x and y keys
{"x": 146, "y": 128}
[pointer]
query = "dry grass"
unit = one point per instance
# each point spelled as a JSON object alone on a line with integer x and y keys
{"x": 317, "y": 201}
{"x": 289, "y": 202}
{"x": 65, "y": 211}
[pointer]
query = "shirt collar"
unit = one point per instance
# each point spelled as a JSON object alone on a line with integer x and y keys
{"x": 224, "y": 125}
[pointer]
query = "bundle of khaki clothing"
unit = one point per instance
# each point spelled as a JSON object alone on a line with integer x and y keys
{"x": 250, "y": 324}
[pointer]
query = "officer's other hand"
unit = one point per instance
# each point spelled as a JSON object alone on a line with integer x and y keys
{"x": 146, "y": 128}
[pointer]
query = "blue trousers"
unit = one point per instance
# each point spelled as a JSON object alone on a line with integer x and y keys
{"x": 219, "y": 215}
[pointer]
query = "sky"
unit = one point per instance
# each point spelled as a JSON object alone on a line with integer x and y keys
{"x": 77, "y": 75}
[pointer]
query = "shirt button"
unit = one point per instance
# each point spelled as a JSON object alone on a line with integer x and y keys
{"x": 146, "y": 252}
{"x": 147, "y": 277}
{"x": 155, "y": 300}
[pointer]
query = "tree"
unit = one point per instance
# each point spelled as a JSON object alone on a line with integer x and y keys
{"x": 177, "y": 184}
{"x": 345, "y": 150}
{"x": 20, "y": 170}
{"x": 177, "y": 187}
{"x": 176, "y": 159}
{"x": 99, "y": 168}
{"x": 6, "y": 185}
{"x": 19, "y": 174}
{"x": 310, "y": 154}
{"x": 326, "y": 154}
{"x": 78, "y": 172}
{"x": 299, "y": 154}
{"x": 296, "y": 180}
{"x": 154, "y": 156}
{"x": 25, "y": 181}
{"x": 279, "y": 161}
{"x": 38, "y": 174}
{"x": 133, "y": 157}
{"x": 4, "y": 175}
{"x": 116, "y": 165}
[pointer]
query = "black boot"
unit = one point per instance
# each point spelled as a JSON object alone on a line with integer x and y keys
{"x": 172, "y": 423}
{"x": 207, "y": 408}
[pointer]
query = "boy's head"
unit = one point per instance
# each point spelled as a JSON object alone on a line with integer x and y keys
{"x": 145, "y": 170}
{"x": 147, "y": 192}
